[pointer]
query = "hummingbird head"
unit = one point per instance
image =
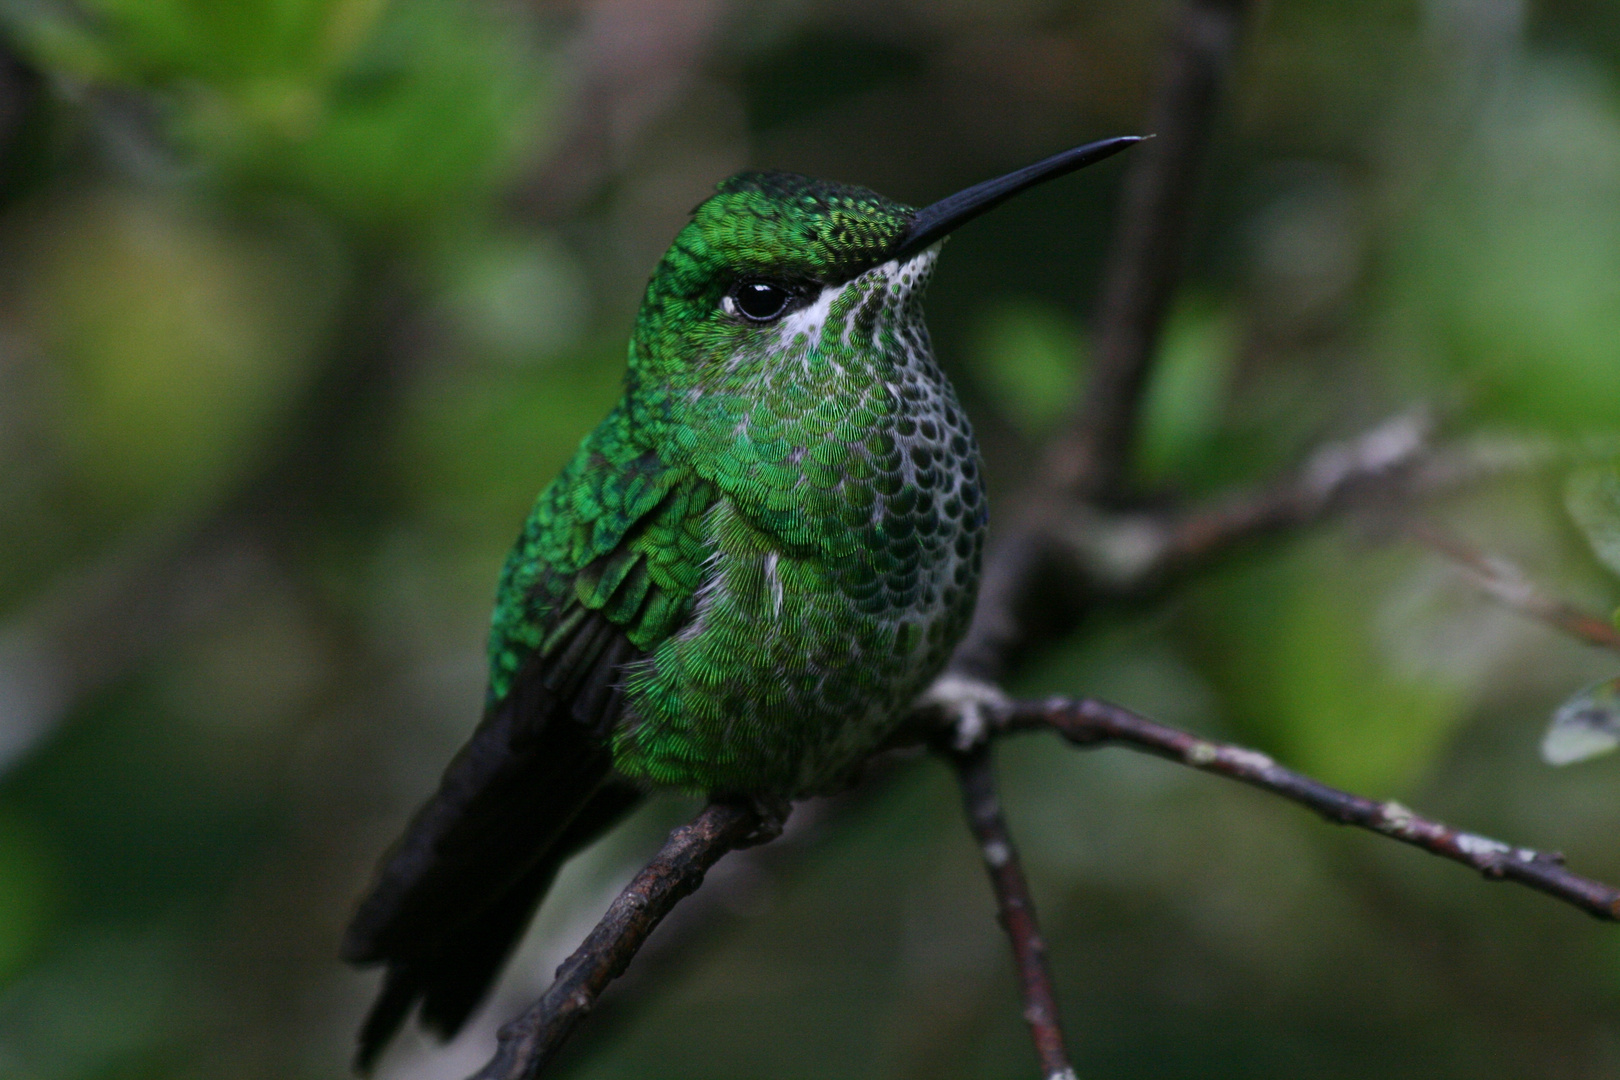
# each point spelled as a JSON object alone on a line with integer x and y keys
{"x": 776, "y": 267}
{"x": 763, "y": 248}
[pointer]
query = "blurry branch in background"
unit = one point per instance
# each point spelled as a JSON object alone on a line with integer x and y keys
{"x": 1507, "y": 584}
{"x": 631, "y": 58}
{"x": 1087, "y": 461}
{"x": 1090, "y": 458}
{"x": 1127, "y": 554}
{"x": 1124, "y": 554}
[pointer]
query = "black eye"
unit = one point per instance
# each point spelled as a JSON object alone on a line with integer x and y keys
{"x": 759, "y": 301}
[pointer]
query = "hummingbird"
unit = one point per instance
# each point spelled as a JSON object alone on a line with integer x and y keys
{"x": 737, "y": 586}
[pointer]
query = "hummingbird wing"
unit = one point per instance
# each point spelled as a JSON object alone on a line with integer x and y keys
{"x": 605, "y": 567}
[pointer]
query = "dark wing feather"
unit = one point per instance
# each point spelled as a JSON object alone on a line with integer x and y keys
{"x": 610, "y": 560}
{"x": 452, "y": 981}
{"x": 463, "y": 981}
{"x": 528, "y": 790}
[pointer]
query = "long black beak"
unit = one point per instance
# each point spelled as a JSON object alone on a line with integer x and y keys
{"x": 950, "y": 213}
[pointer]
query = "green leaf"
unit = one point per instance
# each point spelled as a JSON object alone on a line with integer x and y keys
{"x": 1513, "y": 264}
{"x": 1326, "y": 658}
{"x": 1585, "y": 726}
{"x": 1029, "y": 356}
{"x": 1592, "y": 495}
{"x": 1187, "y": 391}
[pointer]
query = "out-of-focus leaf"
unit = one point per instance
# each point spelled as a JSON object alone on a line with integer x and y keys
{"x": 178, "y": 346}
{"x": 383, "y": 112}
{"x": 1585, "y": 726}
{"x": 1183, "y": 406}
{"x": 1029, "y": 356}
{"x": 157, "y": 42}
{"x": 1306, "y": 669}
{"x": 437, "y": 108}
{"x": 1592, "y": 495}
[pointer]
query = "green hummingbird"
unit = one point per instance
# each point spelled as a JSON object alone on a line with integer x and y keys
{"x": 737, "y": 586}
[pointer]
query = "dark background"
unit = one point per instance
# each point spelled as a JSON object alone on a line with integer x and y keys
{"x": 302, "y": 301}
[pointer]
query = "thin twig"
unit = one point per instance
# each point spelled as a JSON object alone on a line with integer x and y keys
{"x": 1089, "y": 552}
{"x": 1086, "y": 722}
{"x": 1506, "y": 583}
{"x": 1017, "y": 601}
{"x": 530, "y": 1041}
{"x": 1125, "y": 554}
{"x": 1145, "y": 265}
{"x": 1015, "y": 907}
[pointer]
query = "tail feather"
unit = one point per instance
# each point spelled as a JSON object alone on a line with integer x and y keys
{"x": 470, "y": 970}
{"x": 400, "y": 991}
{"x": 451, "y": 982}
{"x": 530, "y": 788}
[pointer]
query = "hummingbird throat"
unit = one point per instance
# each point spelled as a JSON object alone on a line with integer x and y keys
{"x": 864, "y": 318}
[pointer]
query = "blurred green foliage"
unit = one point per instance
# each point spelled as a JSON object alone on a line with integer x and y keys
{"x": 1030, "y": 358}
{"x": 390, "y": 115}
{"x": 302, "y": 301}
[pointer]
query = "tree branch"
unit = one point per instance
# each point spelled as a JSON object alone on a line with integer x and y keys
{"x": 533, "y": 1039}
{"x": 1125, "y": 554}
{"x": 1506, "y": 583}
{"x": 530, "y": 1041}
{"x": 1086, "y": 722}
{"x": 1014, "y": 906}
{"x": 1022, "y": 572}
{"x": 1145, "y": 265}
{"x": 1088, "y": 552}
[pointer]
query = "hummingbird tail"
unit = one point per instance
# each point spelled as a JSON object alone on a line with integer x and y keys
{"x": 530, "y": 789}
{"x": 469, "y": 968}
{"x": 452, "y": 983}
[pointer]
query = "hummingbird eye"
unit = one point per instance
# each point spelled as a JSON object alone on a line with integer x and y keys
{"x": 758, "y": 301}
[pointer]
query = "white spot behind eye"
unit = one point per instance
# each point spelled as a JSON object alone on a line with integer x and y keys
{"x": 809, "y": 320}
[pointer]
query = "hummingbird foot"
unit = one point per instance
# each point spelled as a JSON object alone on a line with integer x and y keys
{"x": 770, "y": 811}
{"x": 963, "y": 701}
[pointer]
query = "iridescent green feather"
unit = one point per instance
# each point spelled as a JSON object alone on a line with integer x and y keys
{"x": 618, "y": 531}
{"x": 787, "y": 518}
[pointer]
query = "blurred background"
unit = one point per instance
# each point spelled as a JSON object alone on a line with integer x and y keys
{"x": 302, "y": 301}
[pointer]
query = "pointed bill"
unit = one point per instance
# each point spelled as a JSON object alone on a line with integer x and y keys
{"x": 950, "y": 213}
